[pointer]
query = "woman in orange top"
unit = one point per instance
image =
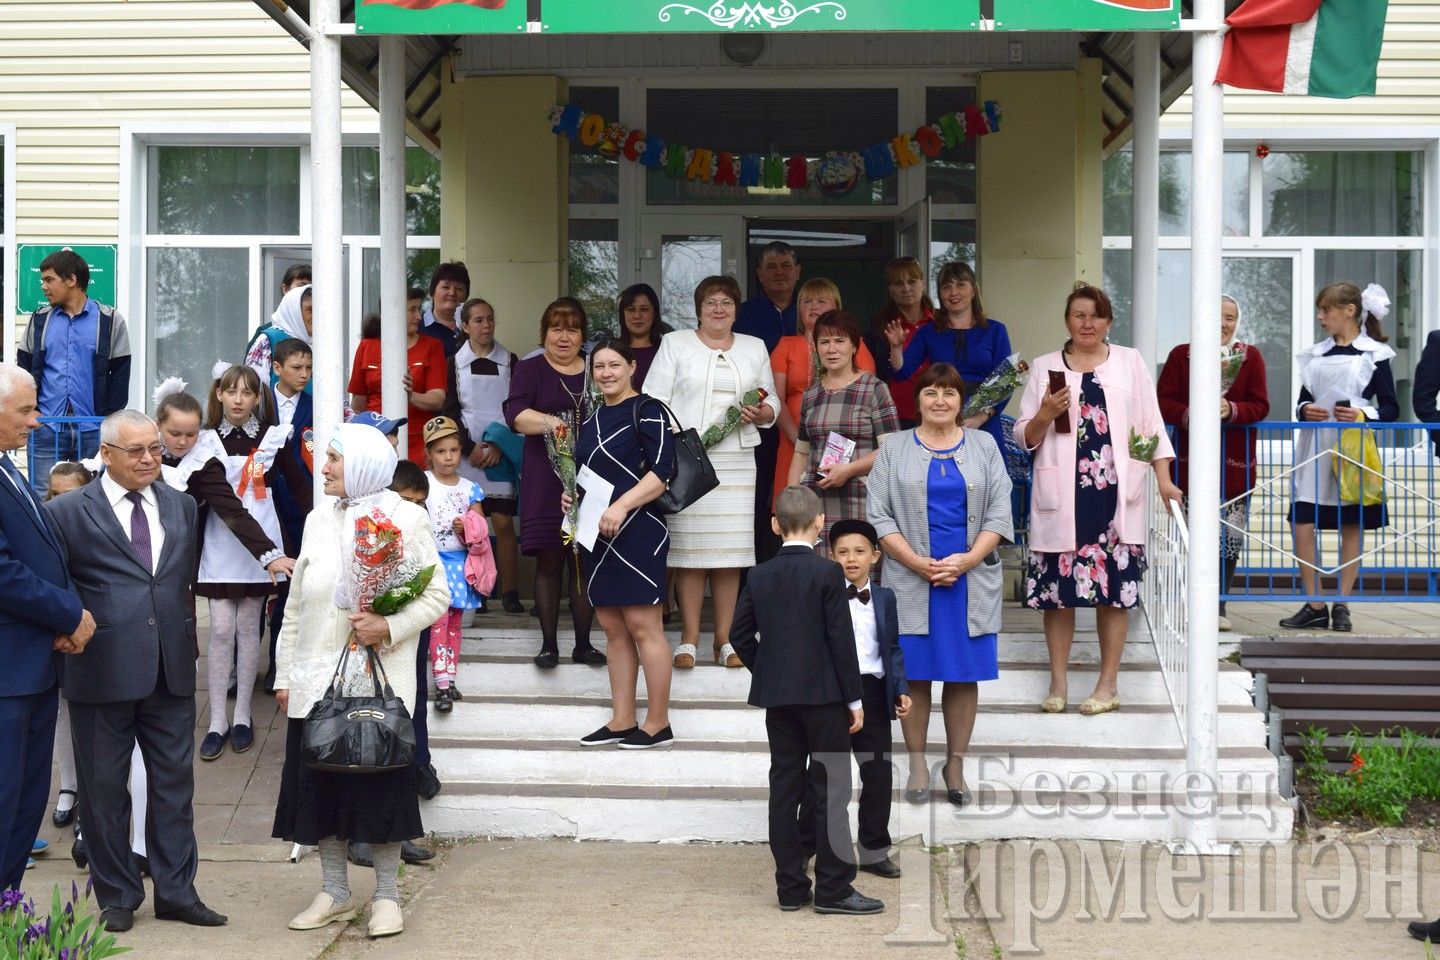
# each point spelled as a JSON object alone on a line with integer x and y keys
{"x": 425, "y": 374}
{"x": 794, "y": 365}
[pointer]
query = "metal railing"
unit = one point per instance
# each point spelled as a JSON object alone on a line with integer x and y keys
{"x": 1163, "y": 596}
{"x": 1300, "y": 462}
{"x": 56, "y": 435}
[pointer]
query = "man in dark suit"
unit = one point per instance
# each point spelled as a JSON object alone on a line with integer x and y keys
{"x": 40, "y": 613}
{"x": 131, "y": 544}
{"x": 805, "y": 673}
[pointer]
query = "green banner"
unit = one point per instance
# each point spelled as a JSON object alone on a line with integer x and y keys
{"x": 99, "y": 258}
{"x": 1087, "y": 14}
{"x": 764, "y": 16}
{"x": 441, "y": 16}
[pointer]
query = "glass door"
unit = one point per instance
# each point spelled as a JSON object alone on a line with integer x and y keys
{"x": 678, "y": 251}
{"x": 914, "y": 227}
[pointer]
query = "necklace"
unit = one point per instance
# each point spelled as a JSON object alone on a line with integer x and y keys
{"x": 948, "y": 453}
{"x": 576, "y": 399}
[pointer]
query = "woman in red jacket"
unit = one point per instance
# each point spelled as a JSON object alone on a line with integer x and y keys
{"x": 1244, "y": 401}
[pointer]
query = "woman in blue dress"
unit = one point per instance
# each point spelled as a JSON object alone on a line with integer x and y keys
{"x": 962, "y": 336}
{"x": 939, "y": 496}
{"x": 625, "y": 573}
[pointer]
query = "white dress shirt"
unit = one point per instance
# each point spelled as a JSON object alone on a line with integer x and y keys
{"x": 124, "y": 508}
{"x": 853, "y": 704}
{"x": 867, "y": 643}
{"x": 285, "y": 407}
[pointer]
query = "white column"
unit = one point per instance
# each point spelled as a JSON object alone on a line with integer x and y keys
{"x": 1202, "y": 674}
{"x": 393, "y": 329}
{"x": 326, "y": 259}
{"x": 1145, "y": 227}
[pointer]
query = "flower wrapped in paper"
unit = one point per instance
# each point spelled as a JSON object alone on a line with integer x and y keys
{"x": 998, "y": 387}
{"x": 560, "y": 448}
{"x": 1232, "y": 358}
{"x": 722, "y": 428}
{"x": 1143, "y": 446}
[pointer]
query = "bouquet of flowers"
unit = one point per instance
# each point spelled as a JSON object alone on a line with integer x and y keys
{"x": 1142, "y": 447}
{"x": 560, "y": 447}
{"x": 382, "y": 577}
{"x": 1231, "y": 359}
{"x": 1003, "y": 381}
{"x": 55, "y": 931}
{"x": 726, "y": 425}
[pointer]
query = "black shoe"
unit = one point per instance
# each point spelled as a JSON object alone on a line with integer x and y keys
{"x": 414, "y": 853}
{"x": 605, "y": 735}
{"x": 1425, "y": 931}
{"x": 142, "y": 864}
{"x": 63, "y": 818}
{"x": 534, "y": 611}
{"x": 1340, "y": 618}
{"x": 360, "y": 855}
{"x": 886, "y": 868}
{"x": 510, "y": 600}
{"x": 242, "y": 738}
{"x": 856, "y": 904}
{"x": 547, "y": 659}
{"x": 80, "y": 855}
{"x": 213, "y": 745}
{"x": 444, "y": 703}
{"x": 117, "y": 919}
{"x": 588, "y": 656}
{"x": 427, "y": 782}
{"x": 640, "y": 740}
{"x": 197, "y": 915}
{"x": 455, "y": 693}
{"x": 1307, "y": 616}
{"x": 792, "y": 907}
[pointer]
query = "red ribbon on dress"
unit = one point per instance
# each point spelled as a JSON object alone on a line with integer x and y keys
{"x": 252, "y": 476}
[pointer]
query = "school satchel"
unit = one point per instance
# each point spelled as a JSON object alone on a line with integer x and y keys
{"x": 364, "y": 734}
{"x": 694, "y": 474}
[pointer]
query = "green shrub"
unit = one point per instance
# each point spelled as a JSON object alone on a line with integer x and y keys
{"x": 1383, "y": 779}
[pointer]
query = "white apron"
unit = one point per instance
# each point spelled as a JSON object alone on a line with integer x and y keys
{"x": 1330, "y": 379}
{"x": 224, "y": 558}
{"x": 482, "y": 402}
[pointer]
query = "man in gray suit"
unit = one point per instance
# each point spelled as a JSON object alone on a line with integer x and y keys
{"x": 132, "y": 554}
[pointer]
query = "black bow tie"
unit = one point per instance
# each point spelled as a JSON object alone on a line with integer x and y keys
{"x": 862, "y": 595}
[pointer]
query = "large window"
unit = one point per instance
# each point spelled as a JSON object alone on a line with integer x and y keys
{"x": 223, "y": 221}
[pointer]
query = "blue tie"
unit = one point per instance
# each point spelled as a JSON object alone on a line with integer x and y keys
{"x": 26, "y": 493}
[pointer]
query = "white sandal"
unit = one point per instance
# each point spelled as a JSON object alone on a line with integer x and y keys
{"x": 726, "y": 655}
{"x": 684, "y": 656}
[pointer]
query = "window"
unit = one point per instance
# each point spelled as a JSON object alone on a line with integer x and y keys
{"x": 361, "y": 191}
{"x": 1340, "y": 194}
{"x": 224, "y": 190}
{"x": 950, "y": 240}
{"x": 196, "y": 311}
{"x": 595, "y": 272}
{"x": 769, "y": 121}
{"x": 594, "y": 177}
{"x": 419, "y": 266}
{"x": 950, "y": 177}
{"x": 1175, "y": 194}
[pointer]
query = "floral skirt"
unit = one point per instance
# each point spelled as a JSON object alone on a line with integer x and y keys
{"x": 1104, "y": 574}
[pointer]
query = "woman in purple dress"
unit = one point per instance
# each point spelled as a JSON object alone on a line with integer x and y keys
{"x": 549, "y": 391}
{"x": 641, "y": 326}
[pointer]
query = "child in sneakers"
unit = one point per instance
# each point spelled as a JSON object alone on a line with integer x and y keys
{"x": 451, "y": 496}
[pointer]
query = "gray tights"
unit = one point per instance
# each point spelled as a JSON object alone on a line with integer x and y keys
{"x": 335, "y": 869}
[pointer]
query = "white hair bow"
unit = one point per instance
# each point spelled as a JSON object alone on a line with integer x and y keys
{"x": 218, "y": 371}
{"x": 168, "y": 387}
{"x": 1375, "y": 301}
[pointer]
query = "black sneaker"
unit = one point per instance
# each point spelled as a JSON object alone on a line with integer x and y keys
{"x": 792, "y": 907}
{"x": 443, "y": 703}
{"x": 414, "y": 853}
{"x": 640, "y": 740}
{"x": 605, "y": 735}
{"x": 510, "y": 600}
{"x": 427, "y": 782}
{"x": 455, "y": 693}
{"x": 1307, "y": 616}
{"x": 886, "y": 868}
{"x": 1340, "y": 618}
{"x": 856, "y": 904}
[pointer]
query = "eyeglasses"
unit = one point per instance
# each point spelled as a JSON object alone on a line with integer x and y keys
{"x": 718, "y": 303}
{"x": 136, "y": 452}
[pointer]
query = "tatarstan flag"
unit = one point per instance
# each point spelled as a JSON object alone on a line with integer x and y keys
{"x": 1324, "y": 48}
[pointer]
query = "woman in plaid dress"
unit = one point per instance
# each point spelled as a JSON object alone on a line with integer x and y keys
{"x": 846, "y": 401}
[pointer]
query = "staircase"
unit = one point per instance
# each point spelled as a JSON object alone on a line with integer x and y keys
{"x": 511, "y": 766}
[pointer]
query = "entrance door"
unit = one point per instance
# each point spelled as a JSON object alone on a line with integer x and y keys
{"x": 914, "y": 224}
{"x": 677, "y": 252}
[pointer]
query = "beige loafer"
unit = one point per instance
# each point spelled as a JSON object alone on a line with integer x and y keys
{"x": 323, "y": 911}
{"x": 1053, "y": 704}
{"x": 1093, "y": 708}
{"x": 385, "y": 918}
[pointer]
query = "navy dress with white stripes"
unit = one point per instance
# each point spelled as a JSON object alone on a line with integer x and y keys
{"x": 629, "y": 570}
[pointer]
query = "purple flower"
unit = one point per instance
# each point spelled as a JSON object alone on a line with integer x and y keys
{"x": 69, "y": 953}
{"x": 10, "y": 899}
{"x": 37, "y": 931}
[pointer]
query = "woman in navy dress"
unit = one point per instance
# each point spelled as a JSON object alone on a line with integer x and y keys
{"x": 962, "y": 336}
{"x": 625, "y": 573}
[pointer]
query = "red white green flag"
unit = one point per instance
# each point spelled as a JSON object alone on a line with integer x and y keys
{"x": 1323, "y": 48}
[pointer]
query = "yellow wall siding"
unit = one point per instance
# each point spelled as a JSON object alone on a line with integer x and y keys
{"x": 118, "y": 61}
{"x": 1408, "y": 91}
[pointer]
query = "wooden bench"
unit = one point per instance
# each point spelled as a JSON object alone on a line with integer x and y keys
{"x": 1344, "y": 683}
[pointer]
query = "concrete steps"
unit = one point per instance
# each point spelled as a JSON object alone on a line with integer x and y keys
{"x": 512, "y": 766}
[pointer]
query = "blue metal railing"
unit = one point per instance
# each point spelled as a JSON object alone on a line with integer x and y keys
{"x": 58, "y": 439}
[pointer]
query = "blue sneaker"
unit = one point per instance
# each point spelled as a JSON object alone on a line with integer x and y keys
{"x": 29, "y": 863}
{"x": 39, "y": 847}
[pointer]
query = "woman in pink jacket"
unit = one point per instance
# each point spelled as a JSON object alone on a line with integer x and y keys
{"x": 1094, "y": 439}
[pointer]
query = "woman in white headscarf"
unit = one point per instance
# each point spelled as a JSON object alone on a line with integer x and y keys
{"x": 292, "y": 319}
{"x": 328, "y": 608}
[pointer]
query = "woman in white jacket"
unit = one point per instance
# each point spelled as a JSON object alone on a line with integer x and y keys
{"x": 702, "y": 373}
{"x": 324, "y": 613}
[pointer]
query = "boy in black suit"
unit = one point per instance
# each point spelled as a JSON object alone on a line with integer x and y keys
{"x": 806, "y": 675}
{"x": 855, "y": 545}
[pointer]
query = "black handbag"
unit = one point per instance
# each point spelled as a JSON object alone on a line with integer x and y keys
{"x": 694, "y": 474}
{"x": 366, "y": 734}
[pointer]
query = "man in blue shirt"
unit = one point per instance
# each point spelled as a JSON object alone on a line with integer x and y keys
{"x": 449, "y": 287}
{"x": 78, "y": 351}
{"x": 769, "y": 315}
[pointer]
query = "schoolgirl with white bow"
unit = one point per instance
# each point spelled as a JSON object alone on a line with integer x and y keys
{"x": 1345, "y": 379}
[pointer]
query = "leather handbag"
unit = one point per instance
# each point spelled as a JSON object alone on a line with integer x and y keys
{"x": 359, "y": 734}
{"x": 694, "y": 474}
